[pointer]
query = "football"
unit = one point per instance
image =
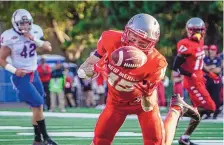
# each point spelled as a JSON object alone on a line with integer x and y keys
{"x": 128, "y": 57}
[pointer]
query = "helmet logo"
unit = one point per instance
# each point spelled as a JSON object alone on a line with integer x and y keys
{"x": 24, "y": 18}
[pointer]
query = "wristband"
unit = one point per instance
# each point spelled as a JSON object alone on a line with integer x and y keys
{"x": 10, "y": 68}
{"x": 38, "y": 42}
{"x": 81, "y": 73}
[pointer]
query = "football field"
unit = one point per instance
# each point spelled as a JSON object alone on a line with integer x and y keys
{"x": 76, "y": 128}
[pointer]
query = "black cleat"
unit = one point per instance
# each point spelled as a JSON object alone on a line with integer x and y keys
{"x": 187, "y": 110}
{"x": 186, "y": 142}
{"x": 49, "y": 142}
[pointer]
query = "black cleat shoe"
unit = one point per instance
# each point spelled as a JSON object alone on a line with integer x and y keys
{"x": 187, "y": 110}
{"x": 186, "y": 142}
{"x": 49, "y": 142}
{"x": 207, "y": 117}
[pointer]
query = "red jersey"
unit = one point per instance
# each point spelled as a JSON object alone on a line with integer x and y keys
{"x": 195, "y": 54}
{"x": 44, "y": 72}
{"x": 121, "y": 81}
{"x": 100, "y": 80}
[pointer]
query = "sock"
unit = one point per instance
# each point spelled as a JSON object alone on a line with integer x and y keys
{"x": 37, "y": 133}
{"x": 42, "y": 127}
{"x": 185, "y": 136}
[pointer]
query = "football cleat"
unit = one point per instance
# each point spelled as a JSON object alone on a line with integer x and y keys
{"x": 187, "y": 110}
{"x": 186, "y": 142}
{"x": 49, "y": 142}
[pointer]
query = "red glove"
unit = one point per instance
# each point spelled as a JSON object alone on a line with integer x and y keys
{"x": 214, "y": 77}
{"x": 146, "y": 88}
{"x": 100, "y": 69}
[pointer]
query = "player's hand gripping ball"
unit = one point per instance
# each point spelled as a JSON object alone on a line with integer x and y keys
{"x": 128, "y": 57}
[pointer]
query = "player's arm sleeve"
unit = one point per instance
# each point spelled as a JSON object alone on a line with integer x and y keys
{"x": 100, "y": 48}
{"x": 178, "y": 61}
{"x": 6, "y": 40}
{"x": 219, "y": 62}
{"x": 152, "y": 81}
{"x": 157, "y": 78}
{"x": 182, "y": 53}
{"x": 218, "y": 68}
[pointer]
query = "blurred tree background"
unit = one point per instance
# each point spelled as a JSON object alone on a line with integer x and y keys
{"x": 74, "y": 27}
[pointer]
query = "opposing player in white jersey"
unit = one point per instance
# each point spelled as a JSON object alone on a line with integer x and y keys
{"x": 20, "y": 43}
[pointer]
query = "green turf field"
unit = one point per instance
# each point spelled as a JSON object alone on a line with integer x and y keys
{"x": 77, "y": 129}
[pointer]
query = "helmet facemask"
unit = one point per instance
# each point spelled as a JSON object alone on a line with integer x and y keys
{"x": 24, "y": 25}
{"x": 138, "y": 39}
{"x": 196, "y": 33}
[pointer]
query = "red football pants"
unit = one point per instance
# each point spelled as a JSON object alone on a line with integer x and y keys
{"x": 199, "y": 95}
{"x": 112, "y": 118}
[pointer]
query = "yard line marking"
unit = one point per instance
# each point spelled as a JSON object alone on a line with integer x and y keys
{"x": 201, "y": 142}
{"x": 82, "y": 134}
{"x": 90, "y": 134}
{"x": 14, "y": 128}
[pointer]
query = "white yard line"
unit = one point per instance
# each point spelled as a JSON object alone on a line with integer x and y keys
{"x": 90, "y": 134}
{"x": 83, "y": 115}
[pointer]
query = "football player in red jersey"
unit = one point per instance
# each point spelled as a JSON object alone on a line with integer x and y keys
{"x": 142, "y": 31}
{"x": 189, "y": 62}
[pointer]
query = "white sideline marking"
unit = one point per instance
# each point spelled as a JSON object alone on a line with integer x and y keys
{"x": 88, "y": 134}
{"x": 84, "y": 115}
{"x": 14, "y": 128}
{"x": 82, "y": 134}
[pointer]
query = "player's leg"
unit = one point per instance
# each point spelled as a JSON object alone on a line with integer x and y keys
{"x": 47, "y": 97}
{"x": 177, "y": 108}
{"x": 30, "y": 95}
{"x": 38, "y": 109}
{"x": 185, "y": 138}
{"x": 107, "y": 126}
{"x": 215, "y": 96}
{"x": 202, "y": 100}
{"x": 170, "y": 124}
{"x": 152, "y": 127}
{"x": 37, "y": 133}
{"x": 61, "y": 99}
{"x": 71, "y": 99}
{"x": 53, "y": 97}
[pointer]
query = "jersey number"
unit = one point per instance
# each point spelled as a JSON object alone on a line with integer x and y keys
{"x": 199, "y": 61}
{"x": 120, "y": 85}
{"x": 31, "y": 52}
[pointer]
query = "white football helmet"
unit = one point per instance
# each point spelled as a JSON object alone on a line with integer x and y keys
{"x": 22, "y": 20}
